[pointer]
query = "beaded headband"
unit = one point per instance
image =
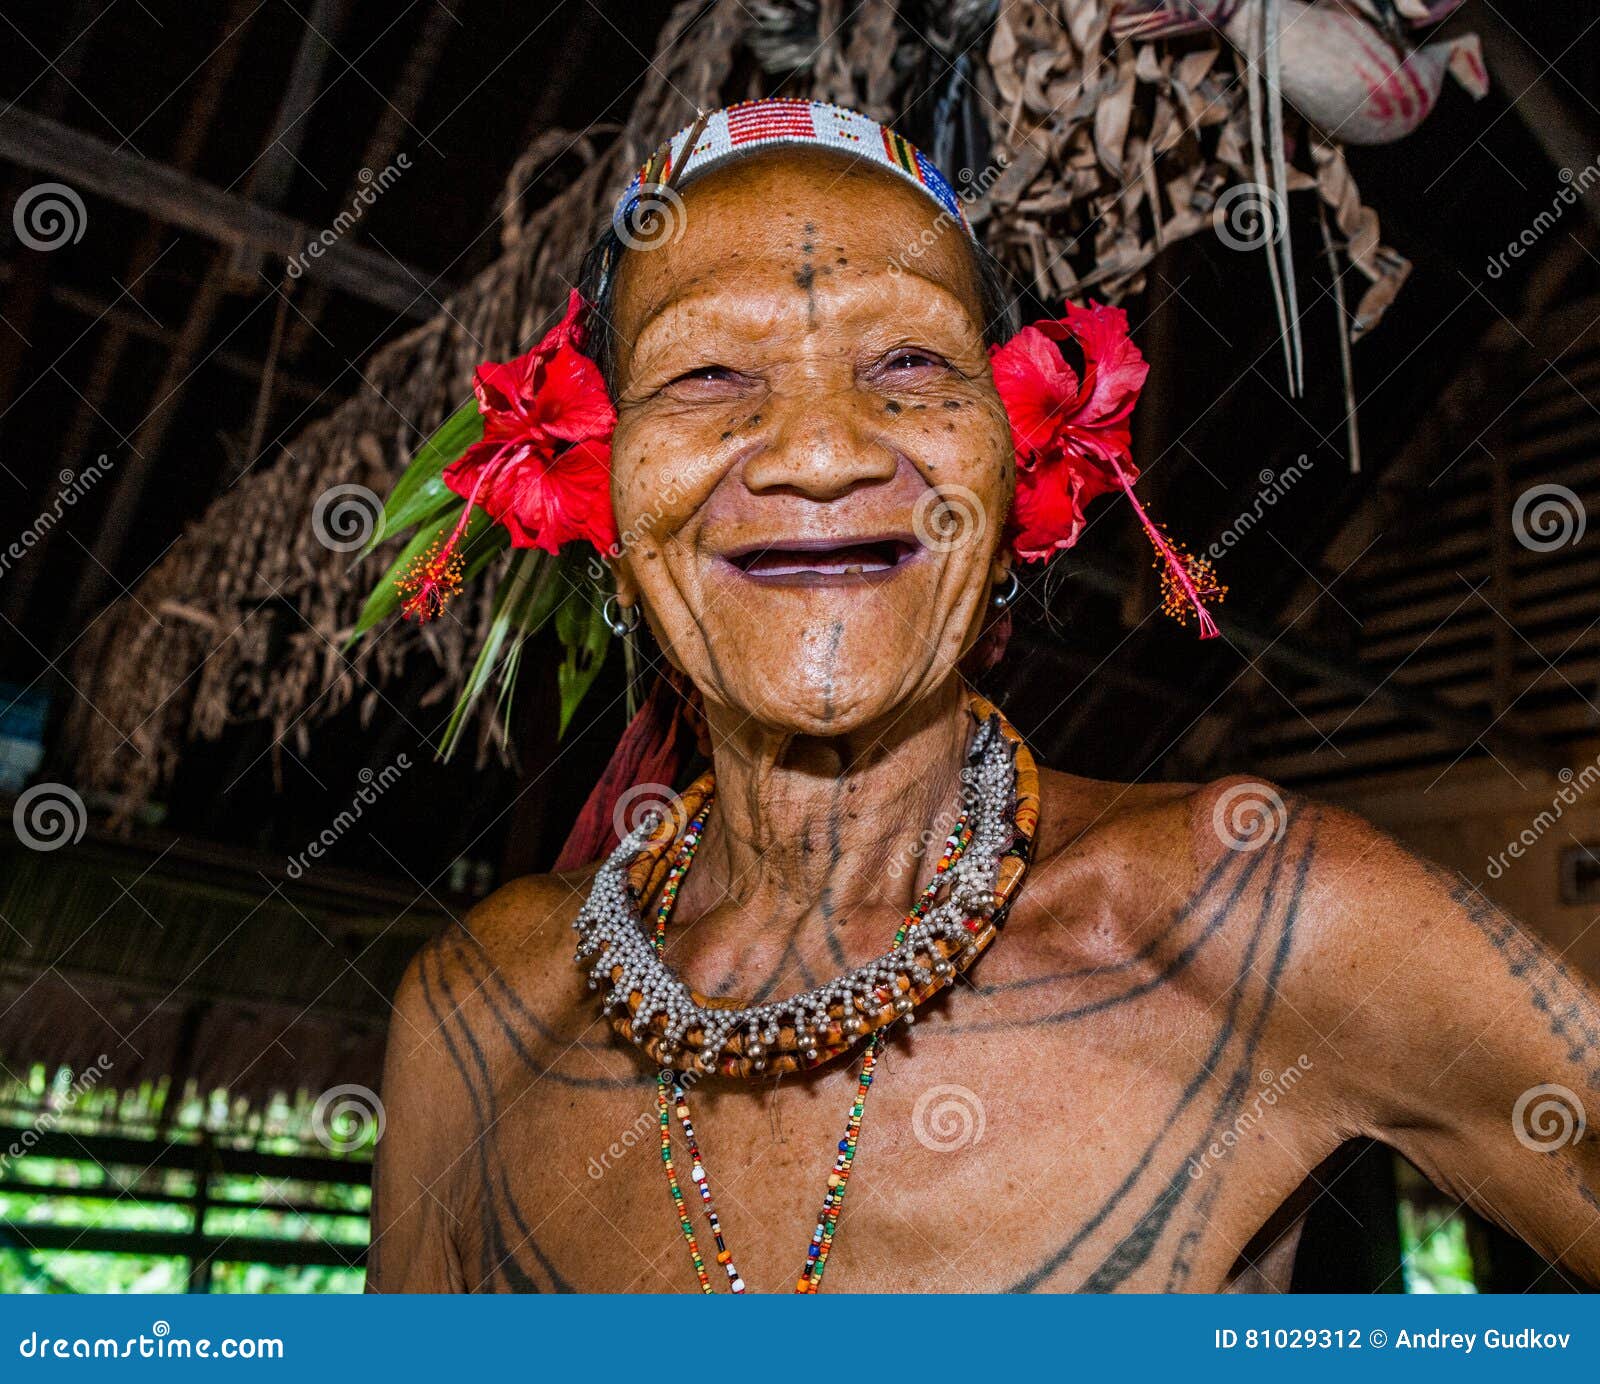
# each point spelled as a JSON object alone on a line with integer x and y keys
{"x": 750, "y": 126}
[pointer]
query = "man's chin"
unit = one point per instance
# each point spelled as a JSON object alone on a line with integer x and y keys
{"x": 843, "y": 705}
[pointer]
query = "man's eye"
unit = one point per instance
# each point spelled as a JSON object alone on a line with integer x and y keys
{"x": 706, "y": 374}
{"x": 911, "y": 359}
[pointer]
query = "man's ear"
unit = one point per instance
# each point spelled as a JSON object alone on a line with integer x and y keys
{"x": 622, "y": 578}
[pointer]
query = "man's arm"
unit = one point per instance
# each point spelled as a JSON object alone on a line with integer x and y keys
{"x": 1462, "y": 1040}
{"x": 412, "y": 1248}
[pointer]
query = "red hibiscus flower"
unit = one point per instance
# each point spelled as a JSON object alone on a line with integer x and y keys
{"x": 1048, "y": 512}
{"x": 543, "y": 468}
{"x": 552, "y": 394}
{"x": 546, "y": 497}
{"x": 1073, "y": 441}
{"x": 1055, "y": 414}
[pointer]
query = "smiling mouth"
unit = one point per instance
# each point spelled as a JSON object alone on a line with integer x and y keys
{"x": 823, "y": 563}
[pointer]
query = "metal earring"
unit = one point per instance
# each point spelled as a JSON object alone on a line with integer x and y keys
{"x": 1007, "y": 593}
{"x": 620, "y": 619}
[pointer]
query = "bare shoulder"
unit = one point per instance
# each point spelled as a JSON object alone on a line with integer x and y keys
{"x": 524, "y": 928}
{"x": 487, "y": 1012}
{"x": 1117, "y": 865}
{"x": 1141, "y": 843}
{"x": 499, "y": 988}
{"x": 1241, "y": 867}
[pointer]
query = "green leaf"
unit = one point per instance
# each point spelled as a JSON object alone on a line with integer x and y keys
{"x": 527, "y": 593}
{"x": 582, "y": 629}
{"x": 421, "y": 493}
{"x": 481, "y": 541}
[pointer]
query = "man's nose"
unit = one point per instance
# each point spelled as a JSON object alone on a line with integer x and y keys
{"x": 821, "y": 444}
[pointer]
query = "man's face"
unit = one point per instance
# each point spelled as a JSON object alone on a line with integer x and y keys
{"x": 811, "y": 468}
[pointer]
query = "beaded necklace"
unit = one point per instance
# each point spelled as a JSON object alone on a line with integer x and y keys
{"x": 657, "y": 1011}
{"x": 671, "y": 1097}
{"x": 953, "y": 921}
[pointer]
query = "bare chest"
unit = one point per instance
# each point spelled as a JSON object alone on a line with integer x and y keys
{"x": 1010, "y": 1142}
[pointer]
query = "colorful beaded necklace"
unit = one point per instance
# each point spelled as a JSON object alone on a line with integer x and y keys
{"x": 671, "y": 1097}
{"x": 679, "y": 1028}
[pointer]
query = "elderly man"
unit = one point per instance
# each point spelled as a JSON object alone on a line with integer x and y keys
{"x": 1047, "y": 1032}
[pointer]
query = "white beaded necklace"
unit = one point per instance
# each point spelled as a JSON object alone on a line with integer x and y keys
{"x": 612, "y": 938}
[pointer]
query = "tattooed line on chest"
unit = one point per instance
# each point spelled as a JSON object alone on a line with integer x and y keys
{"x": 1152, "y": 1222}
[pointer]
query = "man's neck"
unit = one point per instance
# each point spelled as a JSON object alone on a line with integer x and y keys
{"x": 816, "y": 832}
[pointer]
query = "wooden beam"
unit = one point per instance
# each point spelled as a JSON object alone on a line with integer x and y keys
{"x": 231, "y": 1249}
{"x": 92, "y": 165}
{"x": 146, "y": 1154}
{"x": 1568, "y": 140}
{"x": 400, "y": 106}
{"x": 1285, "y": 652}
{"x": 115, "y": 1192}
{"x": 274, "y": 169}
{"x": 139, "y": 325}
{"x": 132, "y": 476}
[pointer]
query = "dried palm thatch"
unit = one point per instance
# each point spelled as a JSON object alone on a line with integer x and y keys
{"x": 1082, "y": 157}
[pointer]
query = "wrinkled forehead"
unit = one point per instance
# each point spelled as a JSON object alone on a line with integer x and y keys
{"x": 795, "y": 215}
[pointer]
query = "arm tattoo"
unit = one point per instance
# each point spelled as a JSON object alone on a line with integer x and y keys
{"x": 1568, "y": 1007}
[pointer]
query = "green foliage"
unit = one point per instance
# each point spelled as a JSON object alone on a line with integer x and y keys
{"x": 421, "y": 494}
{"x": 521, "y": 605}
{"x": 533, "y": 585}
{"x": 82, "y": 1192}
{"x": 1434, "y": 1250}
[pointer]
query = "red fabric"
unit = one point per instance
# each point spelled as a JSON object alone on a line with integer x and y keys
{"x": 657, "y": 747}
{"x": 990, "y": 648}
